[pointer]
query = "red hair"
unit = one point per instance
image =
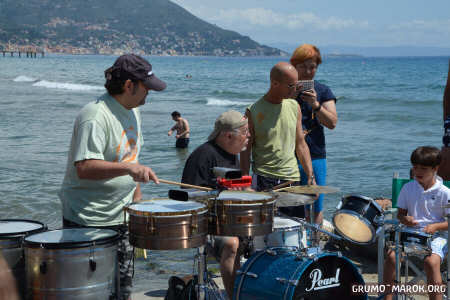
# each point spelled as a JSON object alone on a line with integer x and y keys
{"x": 305, "y": 52}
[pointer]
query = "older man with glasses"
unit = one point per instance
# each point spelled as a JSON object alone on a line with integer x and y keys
{"x": 229, "y": 137}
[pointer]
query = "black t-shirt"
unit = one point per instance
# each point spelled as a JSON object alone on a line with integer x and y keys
{"x": 198, "y": 167}
{"x": 316, "y": 138}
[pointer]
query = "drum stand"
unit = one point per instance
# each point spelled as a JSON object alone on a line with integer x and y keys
{"x": 207, "y": 288}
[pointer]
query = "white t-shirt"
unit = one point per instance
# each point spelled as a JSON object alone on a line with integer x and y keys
{"x": 107, "y": 131}
{"x": 427, "y": 207}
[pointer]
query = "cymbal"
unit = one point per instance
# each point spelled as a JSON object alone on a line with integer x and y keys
{"x": 310, "y": 189}
{"x": 284, "y": 199}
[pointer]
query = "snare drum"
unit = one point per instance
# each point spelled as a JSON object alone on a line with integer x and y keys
{"x": 166, "y": 224}
{"x": 412, "y": 240}
{"x": 12, "y": 232}
{"x": 286, "y": 233}
{"x": 278, "y": 273}
{"x": 239, "y": 213}
{"x": 355, "y": 219}
{"x": 79, "y": 263}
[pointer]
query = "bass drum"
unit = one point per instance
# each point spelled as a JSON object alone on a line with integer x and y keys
{"x": 277, "y": 273}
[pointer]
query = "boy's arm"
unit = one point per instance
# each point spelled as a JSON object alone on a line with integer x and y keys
{"x": 402, "y": 216}
{"x": 432, "y": 228}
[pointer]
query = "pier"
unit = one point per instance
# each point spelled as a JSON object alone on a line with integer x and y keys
{"x": 25, "y": 51}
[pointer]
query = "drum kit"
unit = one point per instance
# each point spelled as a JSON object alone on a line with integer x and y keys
{"x": 280, "y": 258}
{"x": 81, "y": 263}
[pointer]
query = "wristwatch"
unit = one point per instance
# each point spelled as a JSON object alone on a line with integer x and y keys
{"x": 318, "y": 108}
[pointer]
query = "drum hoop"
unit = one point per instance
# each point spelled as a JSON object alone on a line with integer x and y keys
{"x": 241, "y": 202}
{"x": 286, "y": 229}
{"x": 198, "y": 211}
{"x": 10, "y": 235}
{"x": 351, "y": 212}
{"x": 368, "y": 199}
{"x": 71, "y": 244}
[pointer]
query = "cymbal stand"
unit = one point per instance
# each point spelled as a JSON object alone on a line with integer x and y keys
{"x": 207, "y": 289}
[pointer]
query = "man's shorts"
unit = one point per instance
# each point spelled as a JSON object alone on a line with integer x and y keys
{"x": 216, "y": 244}
{"x": 439, "y": 247}
{"x": 182, "y": 143}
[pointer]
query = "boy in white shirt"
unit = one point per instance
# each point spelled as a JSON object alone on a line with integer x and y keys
{"x": 421, "y": 205}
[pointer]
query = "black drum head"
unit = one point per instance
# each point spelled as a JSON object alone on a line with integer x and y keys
{"x": 330, "y": 277}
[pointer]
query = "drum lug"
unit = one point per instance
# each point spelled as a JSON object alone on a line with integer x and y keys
{"x": 251, "y": 274}
{"x": 43, "y": 267}
{"x": 92, "y": 264}
{"x": 150, "y": 226}
{"x": 271, "y": 252}
{"x": 284, "y": 281}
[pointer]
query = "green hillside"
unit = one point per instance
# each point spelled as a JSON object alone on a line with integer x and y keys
{"x": 112, "y": 27}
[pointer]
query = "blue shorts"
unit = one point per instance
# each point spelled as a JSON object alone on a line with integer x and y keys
{"x": 439, "y": 247}
{"x": 320, "y": 174}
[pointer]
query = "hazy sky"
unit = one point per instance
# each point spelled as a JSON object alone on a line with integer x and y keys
{"x": 331, "y": 22}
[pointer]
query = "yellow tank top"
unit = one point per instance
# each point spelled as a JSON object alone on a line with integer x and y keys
{"x": 273, "y": 149}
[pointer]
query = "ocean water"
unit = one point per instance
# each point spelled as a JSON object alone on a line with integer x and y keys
{"x": 386, "y": 106}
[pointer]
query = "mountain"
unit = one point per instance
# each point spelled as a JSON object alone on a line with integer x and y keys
{"x": 341, "y": 50}
{"x": 157, "y": 27}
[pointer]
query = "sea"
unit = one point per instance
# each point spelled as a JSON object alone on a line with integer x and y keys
{"x": 387, "y": 106}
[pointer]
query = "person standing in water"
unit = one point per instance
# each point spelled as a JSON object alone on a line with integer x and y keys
{"x": 182, "y": 128}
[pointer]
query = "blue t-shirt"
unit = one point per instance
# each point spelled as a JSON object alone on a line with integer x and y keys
{"x": 316, "y": 138}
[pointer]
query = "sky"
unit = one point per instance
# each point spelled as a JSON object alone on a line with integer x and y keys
{"x": 363, "y": 23}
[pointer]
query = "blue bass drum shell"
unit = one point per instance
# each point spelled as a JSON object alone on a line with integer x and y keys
{"x": 284, "y": 275}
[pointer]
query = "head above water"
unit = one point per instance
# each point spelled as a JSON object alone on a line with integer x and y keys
{"x": 175, "y": 115}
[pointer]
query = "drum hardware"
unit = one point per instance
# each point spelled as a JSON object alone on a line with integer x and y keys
{"x": 227, "y": 173}
{"x": 207, "y": 289}
{"x": 193, "y": 195}
{"x": 288, "y": 281}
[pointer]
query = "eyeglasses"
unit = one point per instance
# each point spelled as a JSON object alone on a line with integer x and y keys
{"x": 242, "y": 132}
{"x": 307, "y": 67}
{"x": 292, "y": 85}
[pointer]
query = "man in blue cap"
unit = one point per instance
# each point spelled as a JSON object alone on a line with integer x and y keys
{"x": 103, "y": 171}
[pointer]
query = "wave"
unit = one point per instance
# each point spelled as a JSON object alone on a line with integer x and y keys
{"x": 23, "y": 78}
{"x": 68, "y": 86}
{"x": 222, "y": 102}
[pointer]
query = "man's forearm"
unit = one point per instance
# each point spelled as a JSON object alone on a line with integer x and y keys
{"x": 304, "y": 157}
{"x": 96, "y": 169}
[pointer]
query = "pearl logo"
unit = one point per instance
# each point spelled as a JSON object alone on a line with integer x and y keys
{"x": 318, "y": 283}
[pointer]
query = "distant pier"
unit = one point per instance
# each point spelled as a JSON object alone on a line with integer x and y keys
{"x": 26, "y": 51}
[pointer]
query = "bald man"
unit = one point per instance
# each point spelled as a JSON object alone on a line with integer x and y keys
{"x": 276, "y": 134}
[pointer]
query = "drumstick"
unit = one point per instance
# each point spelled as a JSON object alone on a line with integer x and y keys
{"x": 202, "y": 188}
{"x": 275, "y": 188}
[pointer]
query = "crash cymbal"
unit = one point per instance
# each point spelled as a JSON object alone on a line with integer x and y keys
{"x": 284, "y": 199}
{"x": 309, "y": 189}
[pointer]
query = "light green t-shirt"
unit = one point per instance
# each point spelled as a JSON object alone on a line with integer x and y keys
{"x": 103, "y": 130}
{"x": 273, "y": 149}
